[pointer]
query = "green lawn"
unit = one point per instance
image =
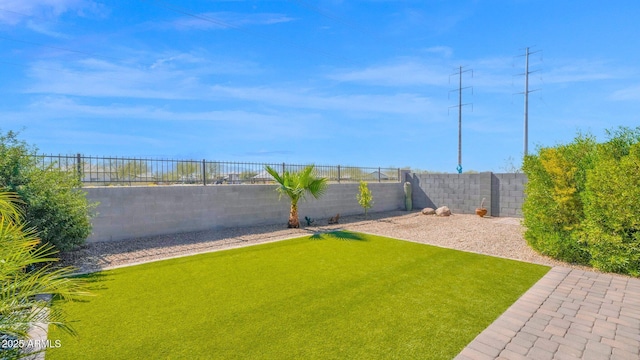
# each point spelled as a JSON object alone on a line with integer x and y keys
{"x": 346, "y": 296}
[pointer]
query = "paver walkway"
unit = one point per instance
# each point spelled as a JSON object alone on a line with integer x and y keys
{"x": 568, "y": 314}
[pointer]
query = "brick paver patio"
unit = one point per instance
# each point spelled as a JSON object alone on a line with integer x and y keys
{"x": 568, "y": 314}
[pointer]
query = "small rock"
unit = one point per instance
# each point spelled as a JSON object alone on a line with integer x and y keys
{"x": 428, "y": 211}
{"x": 443, "y": 211}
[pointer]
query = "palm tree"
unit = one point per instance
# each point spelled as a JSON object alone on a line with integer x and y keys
{"x": 295, "y": 185}
{"x": 26, "y": 275}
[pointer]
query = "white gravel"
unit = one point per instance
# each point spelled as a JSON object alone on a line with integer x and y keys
{"x": 501, "y": 237}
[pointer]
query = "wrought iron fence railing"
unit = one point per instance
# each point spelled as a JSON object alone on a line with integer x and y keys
{"x": 100, "y": 170}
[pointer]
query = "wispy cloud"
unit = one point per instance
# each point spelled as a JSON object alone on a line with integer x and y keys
{"x": 14, "y": 12}
{"x": 226, "y": 20}
{"x": 571, "y": 71}
{"x": 237, "y": 125}
{"x": 168, "y": 76}
{"x": 87, "y": 137}
{"x": 631, "y": 93}
{"x": 61, "y": 107}
{"x": 444, "y": 51}
{"x": 189, "y": 77}
{"x": 493, "y": 74}
{"x": 97, "y": 78}
{"x": 398, "y": 103}
{"x": 404, "y": 72}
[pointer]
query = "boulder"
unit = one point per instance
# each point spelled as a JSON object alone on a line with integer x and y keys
{"x": 443, "y": 211}
{"x": 428, "y": 211}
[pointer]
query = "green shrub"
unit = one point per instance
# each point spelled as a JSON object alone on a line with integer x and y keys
{"x": 364, "y": 197}
{"x": 553, "y": 207}
{"x": 612, "y": 205}
{"x": 582, "y": 201}
{"x": 53, "y": 203}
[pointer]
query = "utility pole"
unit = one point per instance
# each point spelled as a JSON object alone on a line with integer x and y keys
{"x": 459, "y": 106}
{"x": 526, "y": 99}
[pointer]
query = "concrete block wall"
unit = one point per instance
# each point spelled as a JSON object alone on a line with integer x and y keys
{"x": 507, "y": 194}
{"x": 130, "y": 212}
{"x": 463, "y": 193}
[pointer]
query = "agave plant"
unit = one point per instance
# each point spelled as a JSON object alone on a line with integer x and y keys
{"x": 295, "y": 185}
{"x": 26, "y": 274}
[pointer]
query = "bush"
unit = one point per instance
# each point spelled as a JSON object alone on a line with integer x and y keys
{"x": 553, "y": 207}
{"x": 364, "y": 197}
{"x": 582, "y": 203}
{"x": 53, "y": 203}
{"x": 612, "y": 208}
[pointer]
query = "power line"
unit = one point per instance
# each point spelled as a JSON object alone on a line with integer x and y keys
{"x": 59, "y": 48}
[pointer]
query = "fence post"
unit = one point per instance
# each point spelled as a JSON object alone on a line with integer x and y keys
{"x": 282, "y": 168}
{"x": 400, "y": 180}
{"x": 338, "y": 174}
{"x": 379, "y": 175}
{"x": 79, "y": 166}
{"x": 204, "y": 173}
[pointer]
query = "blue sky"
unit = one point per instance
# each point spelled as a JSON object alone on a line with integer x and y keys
{"x": 364, "y": 83}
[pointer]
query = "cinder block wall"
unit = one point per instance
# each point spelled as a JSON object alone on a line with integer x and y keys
{"x": 507, "y": 194}
{"x": 129, "y": 212}
{"x": 463, "y": 193}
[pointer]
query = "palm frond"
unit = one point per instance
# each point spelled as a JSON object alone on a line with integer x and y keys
{"x": 318, "y": 187}
{"x": 9, "y": 206}
{"x": 22, "y": 283}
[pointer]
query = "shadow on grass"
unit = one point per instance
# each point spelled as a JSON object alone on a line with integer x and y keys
{"x": 92, "y": 282}
{"x": 338, "y": 234}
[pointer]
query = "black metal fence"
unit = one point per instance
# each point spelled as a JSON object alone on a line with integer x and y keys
{"x": 98, "y": 170}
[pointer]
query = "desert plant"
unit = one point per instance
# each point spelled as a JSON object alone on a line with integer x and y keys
{"x": 364, "y": 196}
{"x": 295, "y": 185}
{"x": 408, "y": 202}
{"x": 53, "y": 202}
{"x": 25, "y": 273}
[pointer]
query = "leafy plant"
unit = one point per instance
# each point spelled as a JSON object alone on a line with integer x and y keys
{"x": 553, "y": 208}
{"x": 296, "y": 185}
{"x": 582, "y": 204}
{"x": 365, "y": 198}
{"x": 612, "y": 209}
{"x": 53, "y": 202}
{"x": 25, "y": 273}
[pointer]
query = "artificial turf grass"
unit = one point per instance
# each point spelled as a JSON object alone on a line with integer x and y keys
{"x": 352, "y": 296}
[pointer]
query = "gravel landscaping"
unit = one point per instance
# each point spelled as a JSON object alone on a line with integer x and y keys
{"x": 492, "y": 236}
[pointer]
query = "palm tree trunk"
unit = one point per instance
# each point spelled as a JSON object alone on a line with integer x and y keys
{"x": 294, "y": 222}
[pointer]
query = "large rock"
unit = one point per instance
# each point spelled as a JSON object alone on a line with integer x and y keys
{"x": 443, "y": 211}
{"x": 428, "y": 211}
